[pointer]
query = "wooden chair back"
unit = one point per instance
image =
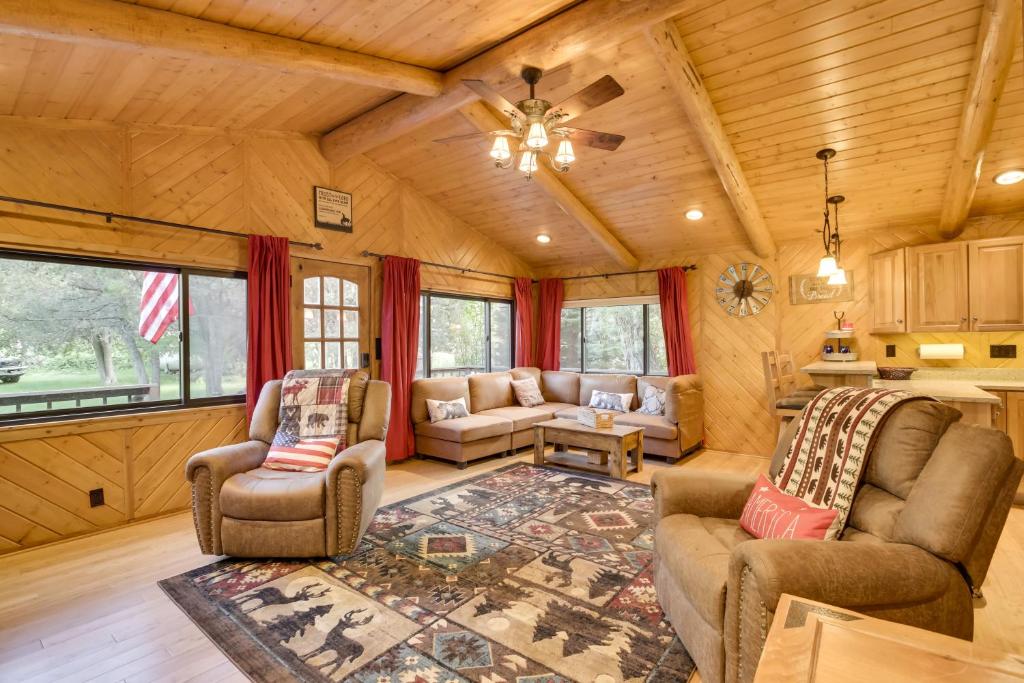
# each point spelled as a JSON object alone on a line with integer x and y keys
{"x": 779, "y": 380}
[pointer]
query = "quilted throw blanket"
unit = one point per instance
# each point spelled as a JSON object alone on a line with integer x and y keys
{"x": 314, "y": 403}
{"x": 831, "y": 446}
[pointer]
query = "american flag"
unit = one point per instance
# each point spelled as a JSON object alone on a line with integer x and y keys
{"x": 159, "y": 305}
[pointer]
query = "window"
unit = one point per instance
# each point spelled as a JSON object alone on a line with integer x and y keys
{"x": 80, "y": 336}
{"x": 614, "y": 338}
{"x": 330, "y": 323}
{"x": 463, "y": 335}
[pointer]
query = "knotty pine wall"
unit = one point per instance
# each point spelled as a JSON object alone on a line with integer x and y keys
{"x": 258, "y": 183}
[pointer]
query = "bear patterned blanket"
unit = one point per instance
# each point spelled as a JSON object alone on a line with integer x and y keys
{"x": 314, "y": 403}
{"x": 831, "y": 446}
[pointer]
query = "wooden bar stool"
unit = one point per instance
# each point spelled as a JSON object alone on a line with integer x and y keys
{"x": 786, "y": 399}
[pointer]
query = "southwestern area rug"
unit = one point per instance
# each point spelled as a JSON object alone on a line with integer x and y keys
{"x": 526, "y": 574}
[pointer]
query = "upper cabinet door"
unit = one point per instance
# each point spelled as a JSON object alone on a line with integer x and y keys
{"x": 888, "y": 292}
{"x": 937, "y": 287}
{"x": 997, "y": 284}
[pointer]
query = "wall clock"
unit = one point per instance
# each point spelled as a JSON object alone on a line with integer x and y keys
{"x": 744, "y": 289}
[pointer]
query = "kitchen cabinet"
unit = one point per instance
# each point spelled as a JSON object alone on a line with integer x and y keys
{"x": 937, "y": 285}
{"x": 1011, "y": 420}
{"x": 888, "y": 292}
{"x": 996, "y": 284}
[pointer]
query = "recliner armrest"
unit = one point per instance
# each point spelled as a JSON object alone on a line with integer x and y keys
{"x": 207, "y": 471}
{"x": 702, "y": 493}
{"x": 355, "y": 485}
{"x": 841, "y": 573}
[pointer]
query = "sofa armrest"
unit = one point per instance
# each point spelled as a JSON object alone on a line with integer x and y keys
{"x": 840, "y": 573}
{"x": 207, "y": 471}
{"x": 703, "y": 493}
{"x": 355, "y": 484}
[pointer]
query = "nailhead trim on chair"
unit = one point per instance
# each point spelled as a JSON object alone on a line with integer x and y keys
{"x": 200, "y": 472}
{"x": 359, "y": 506}
{"x": 764, "y": 622}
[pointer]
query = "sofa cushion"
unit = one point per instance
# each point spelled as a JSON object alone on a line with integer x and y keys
{"x": 527, "y": 373}
{"x": 466, "y": 429}
{"x": 522, "y": 418}
{"x": 616, "y": 384}
{"x": 560, "y": 387}
{"x": 568, "y": 413}
{"x": 695, "y": 552}
{"x": 273, "y": 496}
{"x": 490, "y": 390}
{"x": 553, "y": 407}
{"x": 655, "y": 426}
{"x": 440, "y": 388}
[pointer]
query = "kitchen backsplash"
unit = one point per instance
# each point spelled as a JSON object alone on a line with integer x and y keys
{"x": 976, "y": 349}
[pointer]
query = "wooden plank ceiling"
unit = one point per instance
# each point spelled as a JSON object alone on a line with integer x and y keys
{"x": 881, "y": 81}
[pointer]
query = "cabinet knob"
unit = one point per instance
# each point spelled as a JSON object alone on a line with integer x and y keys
{"x": 899, "y": 320}
{"x": 963, "y": 319}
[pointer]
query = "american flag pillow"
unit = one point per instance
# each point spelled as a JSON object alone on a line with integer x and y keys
{"x": 302, "y": 455}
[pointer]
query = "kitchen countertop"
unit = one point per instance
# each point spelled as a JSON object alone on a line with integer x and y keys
{"x": 853, "y": 367}
{"x": 963, "y": 391}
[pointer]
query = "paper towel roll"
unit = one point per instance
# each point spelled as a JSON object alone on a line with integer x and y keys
{"x": 941, "y": 351}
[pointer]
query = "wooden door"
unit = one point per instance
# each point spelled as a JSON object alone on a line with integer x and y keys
{"x": 997, "y": 284}
{"x": 1013, "y": 421}
{"x": 937, "y": 287}
{"x": 330, "y": 315}
{"x": 888, "y": 292}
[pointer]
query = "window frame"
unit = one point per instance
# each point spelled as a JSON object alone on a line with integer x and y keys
{"x": 184, "y": 400}
{"x": 608, "y": 303}
{"x": 426, "y": 296}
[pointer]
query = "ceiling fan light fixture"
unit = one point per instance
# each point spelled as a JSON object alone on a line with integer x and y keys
{"x": 543, "y": 238}
{"x": 528, "y": 162}
{"x": 537, "y": 136}
{"x": 694, "y": 214}
{"x": 565, "y": 155}
{"x": 500, "y": 150}
{"x": 838, "y": 277}
{"x": 1011, "y": 177}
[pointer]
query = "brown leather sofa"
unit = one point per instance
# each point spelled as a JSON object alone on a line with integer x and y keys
{"x": 243, "y": 510}
{"x": 921, "y": 533}
{"x": 498, "y": 423}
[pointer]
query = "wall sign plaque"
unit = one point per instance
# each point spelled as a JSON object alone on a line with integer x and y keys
{"x": 332, "y": 209}
{"x": 811, "y": 289}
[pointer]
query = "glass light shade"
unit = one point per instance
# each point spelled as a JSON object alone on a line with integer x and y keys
{"x": 528, "y": 162}
{"x": 1010, "y": 177}
{"x": 838, "y": 277}
{"x": 564, "y": 156}
{"x": 827, "y": 266}
{"x": 537, "y": 137}
{"x": 500, "y": 150}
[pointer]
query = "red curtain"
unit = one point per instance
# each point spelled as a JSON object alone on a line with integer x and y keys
{"x": 400, "y": 326}
{"x": 550, "y": 333}
{"x": 270, "y": 324}
{"x": 675, "y": 318}
{"x": 524, "y": 321}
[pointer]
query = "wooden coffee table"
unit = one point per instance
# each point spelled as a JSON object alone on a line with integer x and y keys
{"x": 616, "y": 442}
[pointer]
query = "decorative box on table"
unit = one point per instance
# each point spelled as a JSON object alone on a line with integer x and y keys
{"x": 598, "y": 419}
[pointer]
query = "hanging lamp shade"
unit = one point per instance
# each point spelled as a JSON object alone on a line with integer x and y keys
{"x": 827, "y": 266}
{"x": 500, "y": 150}
{"x": 528, "y": 162}
{"x": 838, "y": 277}
{"x": 537, "y": 137}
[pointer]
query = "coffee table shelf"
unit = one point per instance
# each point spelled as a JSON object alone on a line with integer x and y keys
{"x": 618, "y": 441}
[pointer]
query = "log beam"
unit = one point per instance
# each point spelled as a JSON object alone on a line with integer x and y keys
{"x": 689, "y": 89}
{"x": 480, "y": 116}
{"x": 108, "y": 23}
{"x": 586, "y": 28}
{"x": 997, "y": 36}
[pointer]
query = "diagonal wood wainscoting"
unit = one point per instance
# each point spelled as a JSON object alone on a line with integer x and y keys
{"x": 47, "y": 471}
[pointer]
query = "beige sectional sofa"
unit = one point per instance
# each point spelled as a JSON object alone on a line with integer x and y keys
{"x": 498, "y": 424}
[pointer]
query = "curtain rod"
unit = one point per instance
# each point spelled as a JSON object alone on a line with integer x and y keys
{"x": 367, "y": 253}
{"x": 110, "y": 216}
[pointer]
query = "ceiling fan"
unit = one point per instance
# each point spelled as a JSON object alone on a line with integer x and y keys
{"x": 533, "y": 122}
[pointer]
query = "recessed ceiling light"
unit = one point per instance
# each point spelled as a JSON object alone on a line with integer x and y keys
{"x": 543, "y": 239}
{"x": 1011, "y": 177}
{"x": 695, "y": 214}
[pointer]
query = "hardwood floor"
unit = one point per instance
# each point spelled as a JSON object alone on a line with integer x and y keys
{"x": 90, "y": 610}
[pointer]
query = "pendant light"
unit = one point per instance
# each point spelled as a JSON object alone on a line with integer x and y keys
{"x": 838, "y": 276}
{"x": 828, "y": 266}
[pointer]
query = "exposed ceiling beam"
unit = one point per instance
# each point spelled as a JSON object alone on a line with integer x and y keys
{"x": 482, "y": 117}
{"x": 114, "y": 24}
{"x": 586, "y": 28}
{"x": 682, "y": 75}
{"x": 997, "y": 36}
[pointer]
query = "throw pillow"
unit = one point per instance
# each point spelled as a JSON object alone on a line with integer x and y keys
{"x": 527, "y": 392}
{"x": 653, "y": 402}
{"x": 770, "y": 513}
{"x": 446, "y": 410}
{"x": 606, "y": 400}
{"x": 305, "y": 455}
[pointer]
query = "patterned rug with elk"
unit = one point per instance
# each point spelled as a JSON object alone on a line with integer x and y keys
{"x": 526, "y": 574}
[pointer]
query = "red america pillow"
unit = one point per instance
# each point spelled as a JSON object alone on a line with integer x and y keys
{"x": 770, "y": 513}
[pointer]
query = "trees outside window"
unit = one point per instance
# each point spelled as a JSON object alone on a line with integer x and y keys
{"x": 463, "y": 335}
{"x": 625, "y": 338}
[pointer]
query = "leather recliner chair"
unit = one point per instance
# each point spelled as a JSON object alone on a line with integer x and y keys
{"x": 243, "y": 510}
{"x": 925, "y": 521}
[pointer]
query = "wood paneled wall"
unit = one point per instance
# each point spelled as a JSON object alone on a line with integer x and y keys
{"x": 255, "y": 183}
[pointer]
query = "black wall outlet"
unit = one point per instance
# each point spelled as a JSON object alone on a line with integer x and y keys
{"x": 95, "y": 498}
{"x": 1002, "y": 351}
{"x": 890, "y": 350}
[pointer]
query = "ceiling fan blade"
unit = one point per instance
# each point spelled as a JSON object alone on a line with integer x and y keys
{"x": 593, "y": 138}
{"x": 494, "y": 98}
{"x": 604, "y": 89}
{"x": 470, "y": 136}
